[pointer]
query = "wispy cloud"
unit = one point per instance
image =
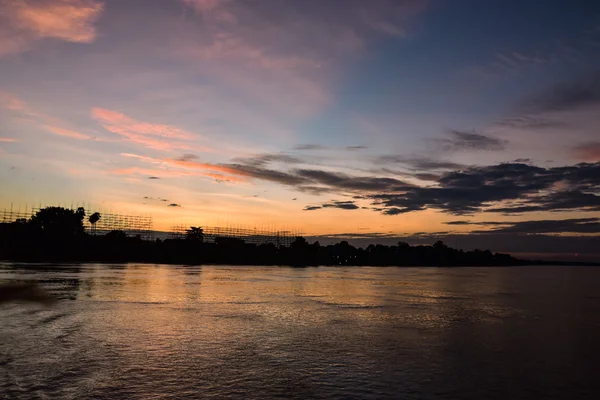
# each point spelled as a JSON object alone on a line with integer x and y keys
{"x": 286, "y": 60}
{"x": 25, "y": 22}
{"x": 461, "y": 141}
{"x": 567, "y": 51}
{"x": 8, "y": 140}
{"x": 317, "y": 147}
{"x": 581, "y": 92}
{"x": 151, "y": 135}
{"x": 68, "y": 133}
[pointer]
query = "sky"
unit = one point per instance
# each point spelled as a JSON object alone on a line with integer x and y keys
{"x": 467, "y": 120}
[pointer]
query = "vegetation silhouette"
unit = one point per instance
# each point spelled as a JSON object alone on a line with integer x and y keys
{"x": 56, "y": 234}
{"x": 94, "y": 218}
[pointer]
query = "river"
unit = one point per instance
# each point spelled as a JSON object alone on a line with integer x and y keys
{"x": 177, "y": 332}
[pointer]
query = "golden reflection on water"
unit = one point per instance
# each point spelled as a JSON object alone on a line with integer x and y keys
{"x": 154, "y": 331}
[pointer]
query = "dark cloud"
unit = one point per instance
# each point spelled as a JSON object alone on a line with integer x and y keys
{"x": 458, "y": 223}
{"x": 507, "y": 188}
{"x": 153, "y": 177}
{"x": 312, "y": 208}
{"x": 418, "y": 163}
{"x": 427, "y": 177}
{"x": 261, "y": 160}
{"x": 174, "y": 205}
{"x": 187, "y": 157}
{"x": 476, "y": 188}
{"x": 403, "y": 210}
{"x": 352, "y": 183}
{"x": 579, "y": 225}
{"x": 460, "y": 140}
{"x": 343, "y": 205}
{"x": 310, "y": 147}
{"x": 355, "y": 148}
{"x": 578, "y": 93}
{"x": 529, "y": 122}
{"x": 560, "y": 201}
{"x": 267, "y": 174}
{"x": 317, "y": 147}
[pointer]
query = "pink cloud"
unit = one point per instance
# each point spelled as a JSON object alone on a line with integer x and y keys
{"x": 184, "y": 168}
{"x": 288, "y": 61}
{"x": 68, "y": 133}
{"x": 11, "y": 102}
{"x": 145, "y": 133}
{"x": 7, "y": 140}
{"x": 25, "y": 22}
{"x": 21, "y": 110}
{"x": 204, "y": 166}
{"x": 119, "y": 123}
{"x": 588, "y": 152}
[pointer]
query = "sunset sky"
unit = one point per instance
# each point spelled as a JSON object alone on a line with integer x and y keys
{"x": 377, "y": 119}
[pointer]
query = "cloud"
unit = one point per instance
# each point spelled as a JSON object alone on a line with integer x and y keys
{"x": 188, "y": 157}
{"x": 355, "y": 148}
{"x": 418, "y": 163}
{"x": 151, "y": 135}
{"x": 567, "y": 200}
{"x": 174, "y": 205}
{"x": 153, "y": 177}
{"x": 342, "y": 205}
{"x": 460, "y": 140}
{"x": 587, "y": 151}
{"x": 288, "y": 61}
{"x": 303, "y": 147}
{"x": 477, "y": 188}
{"x": 318, "y": 147}
{"x": 576, "y": 50}
{"x": 531, "y": 122}
{"x": 8, "y": 140}
{"x": 264, "y": 159}
{"x": 68, "y": 133}
{"x": 506, "y": 188}
{"x": 579, "y": 225}
{"x": 312, "y": 208}
{"x": 341, "y": 181}
{"x": 23, "y": 23}
{"x": 566, "y": 96}
{"x": 11, "y": 102}
{"x": 118, "y": 123}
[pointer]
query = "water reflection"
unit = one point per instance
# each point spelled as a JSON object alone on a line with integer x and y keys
{"x": 155, "y": 331}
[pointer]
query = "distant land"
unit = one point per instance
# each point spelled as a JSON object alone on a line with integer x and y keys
{"x": 56, "y": 234}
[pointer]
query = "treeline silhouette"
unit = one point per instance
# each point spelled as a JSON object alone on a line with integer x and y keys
{"x": 56, "y": 234}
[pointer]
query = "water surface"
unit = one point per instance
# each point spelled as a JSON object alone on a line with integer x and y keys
{"x": 169, "y": 332}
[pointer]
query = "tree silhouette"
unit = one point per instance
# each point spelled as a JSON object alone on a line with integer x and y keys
{"x": 95, "y": 217}
{"x": 195, "y": 234}
{"x": 59, "y": 222}
{"x": 56, "y": 234}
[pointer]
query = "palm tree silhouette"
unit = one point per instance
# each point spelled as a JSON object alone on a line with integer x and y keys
{"x": 95, "y": 217}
